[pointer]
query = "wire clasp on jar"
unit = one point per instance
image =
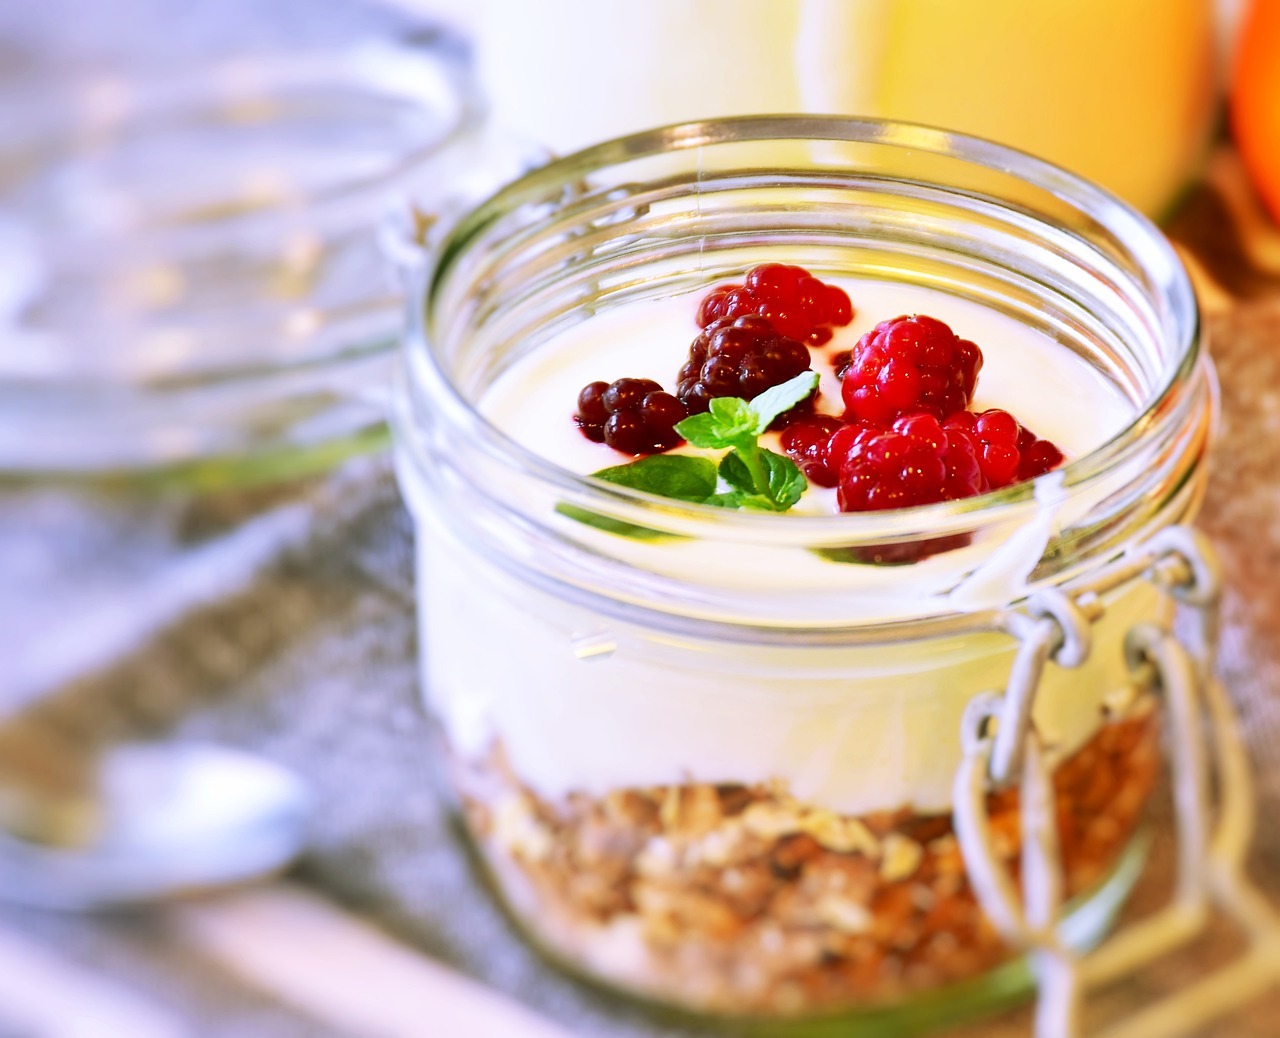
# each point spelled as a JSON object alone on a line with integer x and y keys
{"x": 1001, "y": 746}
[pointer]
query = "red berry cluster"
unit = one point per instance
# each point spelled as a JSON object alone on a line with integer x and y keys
{"x": 753, "y": 337}
{"x": 631, "y": 415}
{"x": 907, "y": 437}
{"x": 793, "y": 300}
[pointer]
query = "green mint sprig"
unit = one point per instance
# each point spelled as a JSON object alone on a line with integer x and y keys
{"x": 748, "y": 476}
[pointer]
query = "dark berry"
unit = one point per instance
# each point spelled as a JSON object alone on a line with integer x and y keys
{"x": 626, "y": 394}
{"x": 631, "y": 415}
{"x": 799, "y": 305}
{"x": 805, "y": 442}
{"x": 1039, "y": 457}
{"x": 626, "y": 431}
{"x": 592, "y": 414}
{"x": 741, "y": 357}
{"x": 917, "y": 462}
{"x": 662, "y": 409}
{"x": 909, "y": 364}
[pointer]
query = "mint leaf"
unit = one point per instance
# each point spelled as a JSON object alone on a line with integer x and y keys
{"x": 775, "y": 485}
{"x": 756, "y": 478}
{"x": 730, "y": 422}
{"x": 776, "y": 399}
{"x": 701, "y": 430}
{"x": 756, "y": 501}
{"x": 680, "y": 476}
{"x": 786, "y": 481}
{"x": 616, "y": 526}
{"x": 734, "y": 471}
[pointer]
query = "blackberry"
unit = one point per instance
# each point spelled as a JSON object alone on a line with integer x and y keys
{"x": 631, "y": 415}
{"x": 738, "y": 356}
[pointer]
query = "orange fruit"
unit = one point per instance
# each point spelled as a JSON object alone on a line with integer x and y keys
{"x": 1255, "y": 99}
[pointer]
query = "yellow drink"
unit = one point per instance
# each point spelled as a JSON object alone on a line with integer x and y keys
{"x": 1120, "y": 91}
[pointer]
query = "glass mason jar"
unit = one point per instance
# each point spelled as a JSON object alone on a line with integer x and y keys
{"x": 709, "y": 757}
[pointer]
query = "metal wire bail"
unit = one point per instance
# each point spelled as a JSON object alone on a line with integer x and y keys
{"x": 1211, "y": 844}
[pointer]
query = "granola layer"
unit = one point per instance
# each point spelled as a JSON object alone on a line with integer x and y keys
{"x": 739, "y": 898}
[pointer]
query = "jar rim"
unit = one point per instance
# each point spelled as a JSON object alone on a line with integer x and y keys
{"x": 1122, "y": 222}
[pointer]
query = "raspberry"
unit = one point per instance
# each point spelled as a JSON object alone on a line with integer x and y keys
{"x": 1007, "y": 452}
{"x": 631, "y": 415}
{"x": 909, "y": 364}
{"x": 799, "y": 305}
{"x": 917, "y": 462}
{"x": 741, "y": 357}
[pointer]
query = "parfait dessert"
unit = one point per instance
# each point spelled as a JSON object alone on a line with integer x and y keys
{"x": 769, "y": 830}
{"x": 742, "y": 455}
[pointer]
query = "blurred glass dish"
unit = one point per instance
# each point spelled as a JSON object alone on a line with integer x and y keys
{"x": 192, "y": 286}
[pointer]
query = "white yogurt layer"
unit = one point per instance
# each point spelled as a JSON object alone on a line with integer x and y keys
{"x": 583, "y": 703}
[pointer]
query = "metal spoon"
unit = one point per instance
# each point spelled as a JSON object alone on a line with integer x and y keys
{"x": 156, "y": 821}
